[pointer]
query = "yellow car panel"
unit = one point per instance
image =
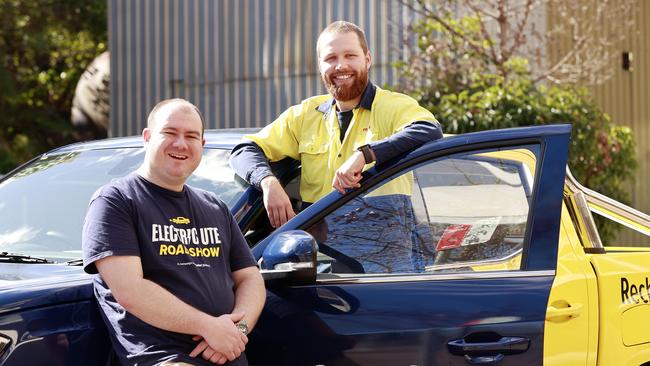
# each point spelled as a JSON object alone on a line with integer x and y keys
{"x": 571, "y": 326}
{"x": 632, "y": 336}
{"x": 624, "y": 306}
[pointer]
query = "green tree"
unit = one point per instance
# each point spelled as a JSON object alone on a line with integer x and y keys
{"x": 473, "y": 79}
{"x": 44, "y": 47}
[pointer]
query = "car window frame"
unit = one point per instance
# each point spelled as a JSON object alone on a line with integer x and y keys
{"x": 553, "y": 141}
{"x": 378, "y": 175}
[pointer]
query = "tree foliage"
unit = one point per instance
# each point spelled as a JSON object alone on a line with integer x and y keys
{"x": 563, "y": 41}
{"x": 451, "y": 72}
{"x": 44, "y": 47}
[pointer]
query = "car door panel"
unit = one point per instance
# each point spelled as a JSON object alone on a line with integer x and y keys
{"x": 358, "y": 324}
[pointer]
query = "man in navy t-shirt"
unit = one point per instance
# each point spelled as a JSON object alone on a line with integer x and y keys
{"x": 177, "y": 282}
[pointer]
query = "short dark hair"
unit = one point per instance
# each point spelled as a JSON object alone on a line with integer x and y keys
{"x": 163, "y": 103}
{"x": 342, "y": 26}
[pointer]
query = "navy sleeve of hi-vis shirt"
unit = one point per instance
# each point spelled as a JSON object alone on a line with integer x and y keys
{"x": 249, "y": 162}
{"x": 108, "y": 228}
{"x": 411, "y": 137}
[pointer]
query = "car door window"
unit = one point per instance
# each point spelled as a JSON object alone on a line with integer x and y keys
{"x": 464, "y": 212}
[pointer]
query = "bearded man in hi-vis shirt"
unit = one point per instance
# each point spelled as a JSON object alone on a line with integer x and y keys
{"x": 335, "y": 137}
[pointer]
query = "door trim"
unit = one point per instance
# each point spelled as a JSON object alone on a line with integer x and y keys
{"x": 355, "y": 278}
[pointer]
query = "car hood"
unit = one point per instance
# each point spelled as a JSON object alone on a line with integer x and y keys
{"x": 25, "y": 286}
{"x": 16, "y": 274}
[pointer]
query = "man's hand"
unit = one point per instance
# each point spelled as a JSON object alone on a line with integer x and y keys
{"x": 206, "y": 352}
{"x": 221, "y": 341}
{"x": 349, "y": 174}
{"x": 276, "y": 201}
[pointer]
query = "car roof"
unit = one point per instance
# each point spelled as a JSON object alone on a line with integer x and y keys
{"x": 215, "y": 138}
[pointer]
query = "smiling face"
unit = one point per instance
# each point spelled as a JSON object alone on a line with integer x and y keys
{"x": 343, "y": 66}
{"x": 174, "y": 145}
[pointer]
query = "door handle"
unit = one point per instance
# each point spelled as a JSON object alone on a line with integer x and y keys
{"x": 488, "y": 353}
{"x": 561, "y": 310}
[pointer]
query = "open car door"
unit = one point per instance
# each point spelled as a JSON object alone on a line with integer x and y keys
{"x": 444, "y": 256}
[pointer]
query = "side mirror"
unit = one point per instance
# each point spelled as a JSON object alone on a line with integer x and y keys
{"x": 290, "y": 258}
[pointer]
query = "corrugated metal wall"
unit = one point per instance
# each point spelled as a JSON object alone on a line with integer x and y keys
{"x": 242, "y": 62}
{"x": 625, "y": 97}
{"x": 636, "y": 110}
{"x": 627, "y": 100}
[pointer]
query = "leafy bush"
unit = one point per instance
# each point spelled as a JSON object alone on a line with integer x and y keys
{"x": 44, "y": 47}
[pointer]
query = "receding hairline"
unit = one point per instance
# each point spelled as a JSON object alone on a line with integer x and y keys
{"x": 176, "y": 104}
{"x": 342, "y": 27}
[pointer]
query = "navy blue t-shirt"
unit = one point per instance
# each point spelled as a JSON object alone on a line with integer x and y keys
{"x": 188, "y": 243}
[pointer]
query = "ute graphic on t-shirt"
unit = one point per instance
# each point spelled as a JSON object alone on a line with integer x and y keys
{"x": 179, "y": 220}
{"x": 192, "y": 241}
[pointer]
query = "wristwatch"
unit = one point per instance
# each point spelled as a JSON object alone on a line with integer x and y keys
{"x": 242, "y": 325}
{"x": 367, "y": 153}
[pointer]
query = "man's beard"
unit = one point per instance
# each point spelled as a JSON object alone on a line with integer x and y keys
{"x": 343, "y": 92}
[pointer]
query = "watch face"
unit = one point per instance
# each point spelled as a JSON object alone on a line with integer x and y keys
{"x": 242, "y": 326}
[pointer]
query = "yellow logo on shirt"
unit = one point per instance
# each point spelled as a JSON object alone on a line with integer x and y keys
{"x": 192, "y": 241}
{"x": 179, "y": 220}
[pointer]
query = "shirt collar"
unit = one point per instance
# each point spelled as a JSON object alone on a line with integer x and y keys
{"x": 367, "y": 98}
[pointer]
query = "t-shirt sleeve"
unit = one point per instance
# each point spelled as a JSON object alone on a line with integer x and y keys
{"x": 108, "y": 229}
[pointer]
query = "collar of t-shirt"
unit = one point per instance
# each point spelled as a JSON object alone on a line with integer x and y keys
{"x": 344, "y": 121}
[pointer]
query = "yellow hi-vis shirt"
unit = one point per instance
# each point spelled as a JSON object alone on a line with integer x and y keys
{"x": 309, "y": 132}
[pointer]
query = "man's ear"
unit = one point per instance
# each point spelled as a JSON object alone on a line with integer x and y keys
{"x": 368, "y": 60}
{"x": 202, "y": 142}
{"x": 146, "y": 135}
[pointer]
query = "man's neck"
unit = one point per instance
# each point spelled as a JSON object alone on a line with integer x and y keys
{"x": 344, "y": 106}
{"x": 146, "y": 174}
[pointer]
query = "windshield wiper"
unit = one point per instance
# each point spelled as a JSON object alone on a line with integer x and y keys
{"x": 6, "y": 257}
{"x": 75, "y": 262}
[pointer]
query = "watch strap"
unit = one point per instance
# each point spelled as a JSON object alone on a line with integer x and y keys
{"x": 367, "y": 154}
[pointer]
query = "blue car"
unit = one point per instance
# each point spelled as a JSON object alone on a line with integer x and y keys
{"x": 443, "y": 255}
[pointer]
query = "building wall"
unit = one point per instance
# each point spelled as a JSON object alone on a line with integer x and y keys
{"x": 242, "y": 62}
{"x": 626, "y": 99}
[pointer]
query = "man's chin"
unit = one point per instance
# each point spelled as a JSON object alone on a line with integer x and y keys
{"x": 180, "y": 172}
{"x": 344, "y": 95}
{"x": 348, "y": 90}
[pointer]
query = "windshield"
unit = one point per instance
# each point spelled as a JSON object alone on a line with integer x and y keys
{"x": 43, "y": 205}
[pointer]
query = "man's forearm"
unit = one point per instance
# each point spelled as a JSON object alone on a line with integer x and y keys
{"x": 250, "y": 294}
{"x": 149, "y": 301}
{"x": 411, "y": 137}
{"x": 250, "y": 163}
{"x": 156, "y": 306}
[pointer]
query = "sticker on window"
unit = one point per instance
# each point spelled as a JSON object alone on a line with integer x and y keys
{"x": 457, "y": 235}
